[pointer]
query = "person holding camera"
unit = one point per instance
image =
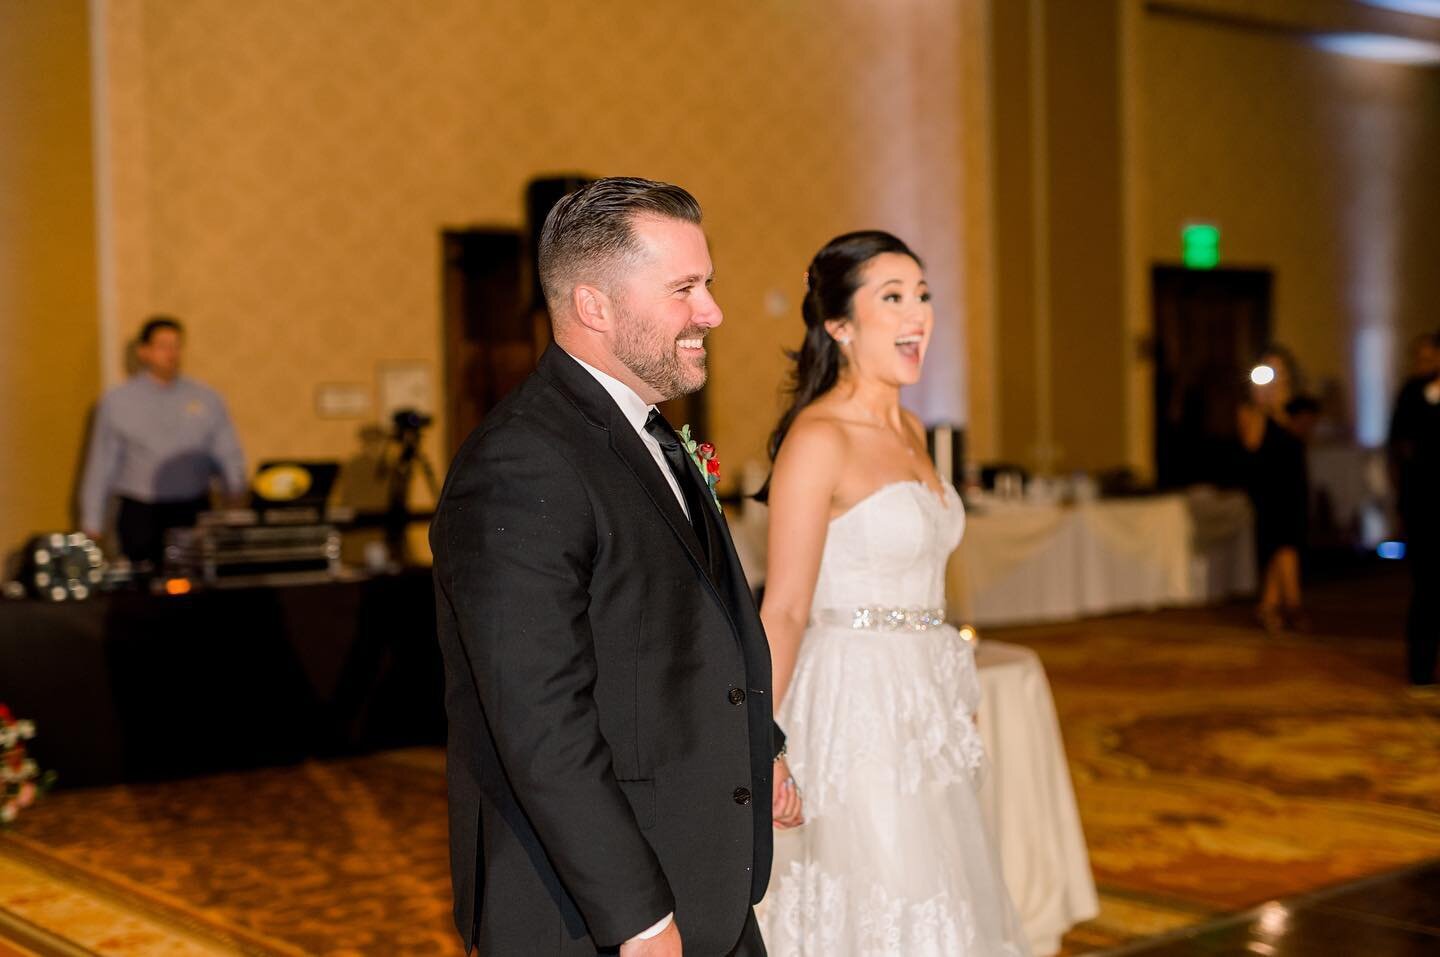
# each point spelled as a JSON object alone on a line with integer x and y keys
{"x": 1278, "y": 483}
{"x": 157, "y": 441}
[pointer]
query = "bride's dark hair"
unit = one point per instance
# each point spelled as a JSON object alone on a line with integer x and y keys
{"x": 830, "y": 284}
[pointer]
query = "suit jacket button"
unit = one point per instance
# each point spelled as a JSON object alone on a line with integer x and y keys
{"x": 737, "y": 695}
{"x": 742, "y": 796}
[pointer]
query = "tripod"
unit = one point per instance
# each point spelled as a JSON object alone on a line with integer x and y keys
{"x": 408, "y": 424}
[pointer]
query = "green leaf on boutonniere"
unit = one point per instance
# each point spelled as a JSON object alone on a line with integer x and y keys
{"x": 692, "y": 448}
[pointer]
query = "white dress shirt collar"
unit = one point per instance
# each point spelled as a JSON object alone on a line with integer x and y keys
{"x": 637, "y": 410}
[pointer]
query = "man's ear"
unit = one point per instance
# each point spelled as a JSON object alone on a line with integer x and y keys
{"x": 592, "y": 307}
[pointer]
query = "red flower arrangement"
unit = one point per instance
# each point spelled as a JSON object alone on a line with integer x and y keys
{"x": 21, "y": 782}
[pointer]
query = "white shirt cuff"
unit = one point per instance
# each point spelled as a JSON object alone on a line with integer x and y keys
{"x": 655, "y": 929}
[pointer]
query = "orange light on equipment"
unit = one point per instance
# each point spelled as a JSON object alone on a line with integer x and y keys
{"x": 177, "y": 586}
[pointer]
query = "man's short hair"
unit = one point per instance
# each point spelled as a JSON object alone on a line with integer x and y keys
{"x": 591, "y": 231}
{"x": 155, "y": 323}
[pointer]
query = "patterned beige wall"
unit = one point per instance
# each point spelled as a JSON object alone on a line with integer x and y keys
{"x": 48, "y": 352}
{"x": 280, "y": 170}
{"x": 1057, "y": 193}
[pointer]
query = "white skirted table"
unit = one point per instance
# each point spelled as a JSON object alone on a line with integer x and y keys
{"x": 1025, "y": 562}
{"x": 1028, "y": 798}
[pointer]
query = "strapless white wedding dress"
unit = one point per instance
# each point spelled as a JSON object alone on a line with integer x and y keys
{"x": 893, "y": 858}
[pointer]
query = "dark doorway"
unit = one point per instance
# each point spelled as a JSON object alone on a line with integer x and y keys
{"x": 491, "y": 338}
{"x": 1210, "y": 325}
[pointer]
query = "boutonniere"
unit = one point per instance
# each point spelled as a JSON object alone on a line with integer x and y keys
{"x": 703, "y": 455}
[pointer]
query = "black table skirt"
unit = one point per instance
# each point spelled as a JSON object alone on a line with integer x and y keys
{"x": 131, "y": 686}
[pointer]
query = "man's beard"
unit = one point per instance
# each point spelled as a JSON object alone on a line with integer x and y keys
{"x": 655, "y": 360}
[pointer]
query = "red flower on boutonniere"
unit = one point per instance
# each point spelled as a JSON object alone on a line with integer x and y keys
{"x": 703, "y": 455}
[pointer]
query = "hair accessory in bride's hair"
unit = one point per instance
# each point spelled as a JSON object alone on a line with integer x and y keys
{"x": 805, "y": 278}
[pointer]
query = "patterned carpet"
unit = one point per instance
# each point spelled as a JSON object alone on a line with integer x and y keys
{"x": 1215, "y": 768}
{"x": 340, "y": 858}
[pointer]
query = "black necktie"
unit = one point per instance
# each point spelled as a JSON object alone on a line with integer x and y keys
{"x": 684, "y": 471}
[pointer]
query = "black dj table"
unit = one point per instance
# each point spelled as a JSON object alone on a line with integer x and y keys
{"x": 135, "y": 686}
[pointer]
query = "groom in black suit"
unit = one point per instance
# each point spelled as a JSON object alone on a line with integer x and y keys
{"x": 613, "y": 764}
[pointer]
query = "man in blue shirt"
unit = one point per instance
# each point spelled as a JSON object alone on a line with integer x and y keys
{"x": 157, "y": 441}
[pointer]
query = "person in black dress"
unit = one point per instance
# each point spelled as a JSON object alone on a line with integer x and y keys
{"x": 1279, "y": 489}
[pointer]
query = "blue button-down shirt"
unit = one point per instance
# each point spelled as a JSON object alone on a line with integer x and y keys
{"x": 158, "y": 443}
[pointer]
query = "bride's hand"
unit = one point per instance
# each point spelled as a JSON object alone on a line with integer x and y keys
{"x": 786, "y": 810}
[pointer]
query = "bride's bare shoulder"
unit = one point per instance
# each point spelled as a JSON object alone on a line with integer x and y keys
{"x": 817, "y": 437}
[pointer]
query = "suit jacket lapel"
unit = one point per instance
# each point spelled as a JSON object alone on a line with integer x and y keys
{"x": 591, "y": 399}
{"x": 717, "y": 535}
{"x": 739, "y": 602}
{"x": 728, "y": 568}
{"x": 637, "y": 458}
{"x": 725, "y": 569}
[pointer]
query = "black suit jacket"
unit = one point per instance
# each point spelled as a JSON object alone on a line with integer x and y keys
{"x": 607, "y": 683}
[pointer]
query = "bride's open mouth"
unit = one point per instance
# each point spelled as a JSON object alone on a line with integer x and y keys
{"x": 909, "y": 346}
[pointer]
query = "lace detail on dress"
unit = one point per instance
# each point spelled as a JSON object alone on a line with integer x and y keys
{"x": 920, "y": 732}
{"x": 813, "y": 919}
{"x": 809, "y": 904}
{"x": 894, "y": 927}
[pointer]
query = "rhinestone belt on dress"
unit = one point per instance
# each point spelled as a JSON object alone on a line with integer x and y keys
{"x": 882, "y": 618}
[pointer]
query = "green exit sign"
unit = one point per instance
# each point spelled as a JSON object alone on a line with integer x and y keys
{"x": 1201, "y": 245}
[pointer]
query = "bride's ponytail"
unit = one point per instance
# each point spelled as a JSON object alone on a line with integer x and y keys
{"x": 834, "y": 275}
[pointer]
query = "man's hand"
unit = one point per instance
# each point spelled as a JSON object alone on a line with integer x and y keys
{"x": 785, "y": 806}
{"x": 664, "y": 944}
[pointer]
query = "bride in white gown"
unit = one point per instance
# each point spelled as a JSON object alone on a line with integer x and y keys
{"x": 875, "y": 692}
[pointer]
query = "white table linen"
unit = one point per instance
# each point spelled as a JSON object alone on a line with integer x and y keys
{"x": 1027, "y": 562}
{"x": 1028, "y": 799}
